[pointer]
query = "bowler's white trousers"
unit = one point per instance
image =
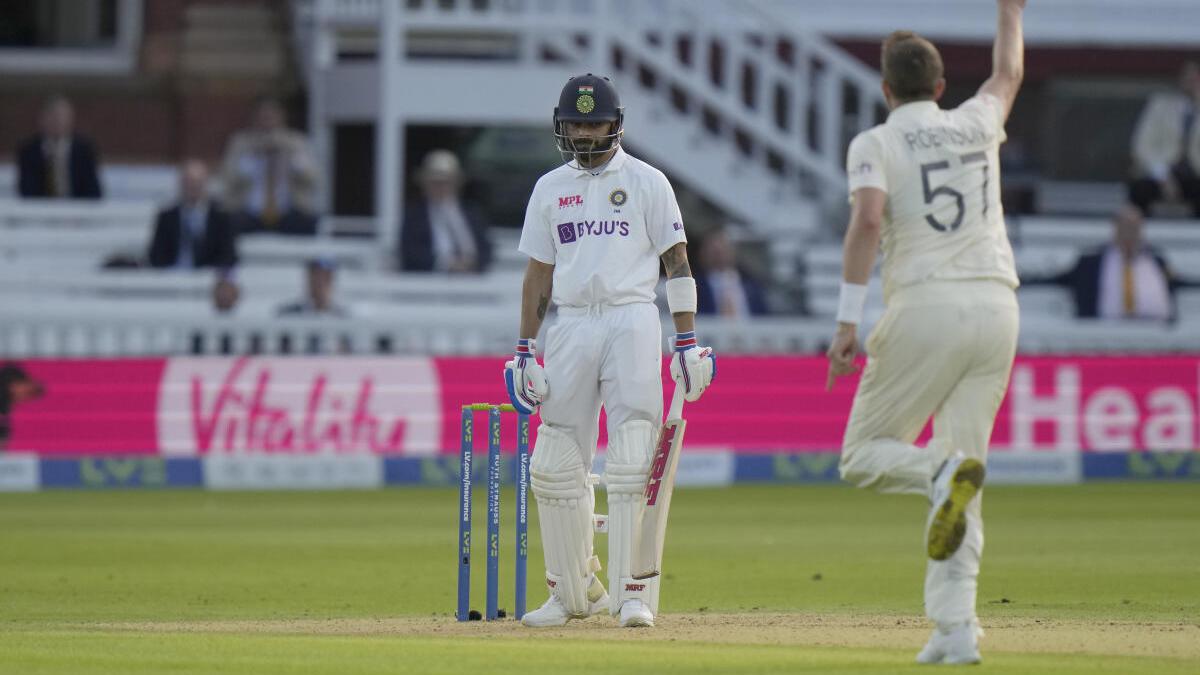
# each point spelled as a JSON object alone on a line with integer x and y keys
{"x": 942, "y": 349}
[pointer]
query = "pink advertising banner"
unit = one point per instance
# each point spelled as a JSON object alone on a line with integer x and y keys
{"x": 191, "y": 407}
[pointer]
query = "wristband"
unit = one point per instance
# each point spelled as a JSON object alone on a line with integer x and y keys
{"x": 850, "y": 303}
{"x": 685, "y": 341}
{"x": 681, "y": 295}
{"x": 525, "y": 348}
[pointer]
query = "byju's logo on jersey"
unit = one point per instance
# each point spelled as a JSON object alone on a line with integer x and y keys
{"x": 573, "y": 200}
{"x": 571, "y": 232}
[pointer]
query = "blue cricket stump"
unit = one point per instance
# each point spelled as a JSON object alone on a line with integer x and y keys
{"x": 493, "y": 519}
{"x": 464, "y": 517}
{"x": 522, "y": 510}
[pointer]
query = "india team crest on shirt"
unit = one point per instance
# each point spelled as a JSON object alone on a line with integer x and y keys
{"x": 618, "y": 197}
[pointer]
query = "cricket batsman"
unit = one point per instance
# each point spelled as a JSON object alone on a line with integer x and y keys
{"x": 595, "y": 231}
{"x": 925, "y": 186}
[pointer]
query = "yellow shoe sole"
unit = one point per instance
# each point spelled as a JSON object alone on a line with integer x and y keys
{"x": 949, "y": 525}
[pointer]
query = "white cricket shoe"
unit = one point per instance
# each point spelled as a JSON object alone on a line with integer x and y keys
{"x": 552, "y": 613}
{"x": 955, "y": 484}
{"x": 635, "y": 614}
{"x": 957, "y": 644}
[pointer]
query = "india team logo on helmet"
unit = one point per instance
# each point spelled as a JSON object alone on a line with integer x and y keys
{"x": 586, "y": 103}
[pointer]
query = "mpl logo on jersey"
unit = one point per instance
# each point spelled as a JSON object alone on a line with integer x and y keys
{"x": 571, "y": 232}
{"x": 252, "y": 406}
{"x": 572, "y": 200}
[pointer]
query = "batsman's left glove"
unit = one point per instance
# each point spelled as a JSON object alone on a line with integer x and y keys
{"x": 525, "y": 379}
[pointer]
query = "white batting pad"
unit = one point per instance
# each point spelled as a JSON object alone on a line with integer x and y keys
{"x": 626, "y": 469}
{"x": 565, "y": 504}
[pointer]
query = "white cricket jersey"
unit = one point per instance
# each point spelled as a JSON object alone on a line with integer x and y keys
{"x": 603, "y": 233}
{"x": 941, "y": 172}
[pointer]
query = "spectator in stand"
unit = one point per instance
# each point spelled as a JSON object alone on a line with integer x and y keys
{"x": 225, "y": 291}
{"x": 225, "y": 296}
{"x": 16, "y": 386}
{"x": 722, "y": 288}
{"x": 1126, "y": 279}
{"x": 441, "y": 231}
{"x": 318, "y": 302}
{"x": 57, "y": 162}
{"x": 195, "y": 232}
{"x": 270, "y": 176}
{"x": 1166, "y": 146}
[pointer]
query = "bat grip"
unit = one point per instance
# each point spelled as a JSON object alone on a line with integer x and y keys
{"x": 675, "y": 412}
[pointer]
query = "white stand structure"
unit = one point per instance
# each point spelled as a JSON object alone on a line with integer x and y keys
{"x": 739, "y": 102}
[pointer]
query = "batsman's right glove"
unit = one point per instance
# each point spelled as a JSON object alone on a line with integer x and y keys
{"x": 692, "y": 366}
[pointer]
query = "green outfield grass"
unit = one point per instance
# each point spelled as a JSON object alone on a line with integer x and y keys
{"x": 758, "y": 579}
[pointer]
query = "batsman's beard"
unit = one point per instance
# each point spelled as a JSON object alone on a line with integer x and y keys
{"x": 591, "y": 152}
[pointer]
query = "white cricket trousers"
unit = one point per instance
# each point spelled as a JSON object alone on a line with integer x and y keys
{"x": 943, "y": 349}
{"x": 603, "y": 354}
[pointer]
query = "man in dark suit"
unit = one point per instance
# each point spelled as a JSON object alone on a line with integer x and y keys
{"x": 195, "y": 232}
{"x": 721, "y": 287}
{"x": 57, "y": 162}
{"x": 440, "y": 232}
{"x": 1126, "y": 279}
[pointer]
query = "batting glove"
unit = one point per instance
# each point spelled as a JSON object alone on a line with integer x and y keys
{"x": 525, "y": 379}
{"x": 692, "y": 366}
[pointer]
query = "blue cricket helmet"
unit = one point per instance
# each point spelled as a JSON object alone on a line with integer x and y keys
{"x": 588, "y": 98}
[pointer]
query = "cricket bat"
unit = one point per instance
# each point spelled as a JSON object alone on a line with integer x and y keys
{"x": 652, "y": 532}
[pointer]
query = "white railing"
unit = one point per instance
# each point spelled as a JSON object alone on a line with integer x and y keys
{"x": 191, "y": 329}
{"x": 138, "y": 333}
{"x": 48, "y": 291}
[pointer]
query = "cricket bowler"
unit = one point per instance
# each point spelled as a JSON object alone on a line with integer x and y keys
{"x": 925, "y": 187}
